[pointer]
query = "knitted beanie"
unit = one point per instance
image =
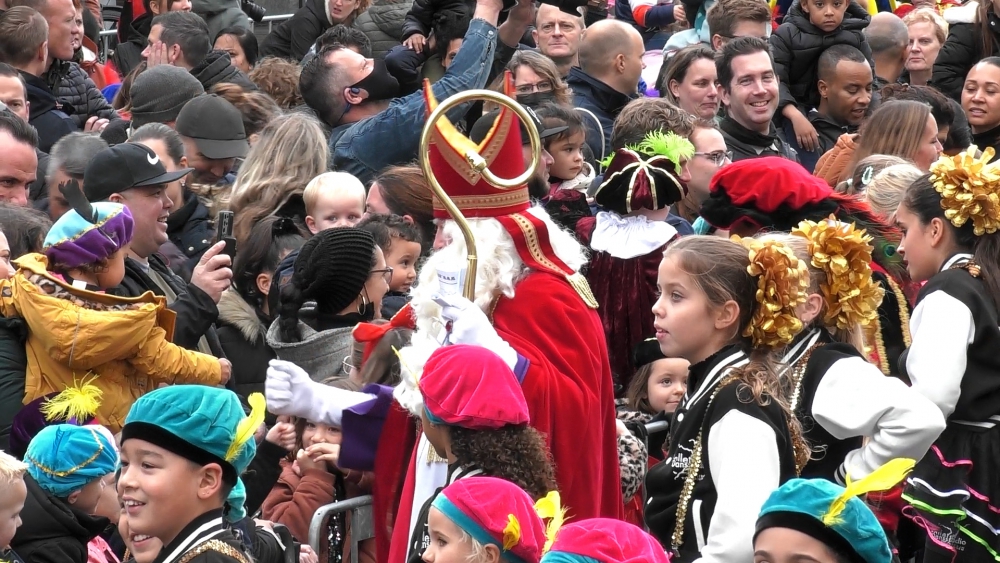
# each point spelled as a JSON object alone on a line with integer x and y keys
{"x": 159, "y": 93}
{"x": 333, "y": 266}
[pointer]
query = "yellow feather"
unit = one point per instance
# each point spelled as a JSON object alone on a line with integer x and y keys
{"x": 79, "y": 402}
{"x": 883, "y": 478}
{"x": 550, "y": 508}
{"x": 246, "y": 428}
{"x": 511, "y": 533}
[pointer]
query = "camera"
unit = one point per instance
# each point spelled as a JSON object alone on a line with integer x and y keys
{"x": 254, "y": 11}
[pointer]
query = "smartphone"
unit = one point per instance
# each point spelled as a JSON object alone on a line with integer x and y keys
{"x": 224, "y": 232}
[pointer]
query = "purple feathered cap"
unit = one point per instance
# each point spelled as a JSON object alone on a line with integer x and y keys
{"x": 31, "y": 419}
{"x": 75, "y": 241}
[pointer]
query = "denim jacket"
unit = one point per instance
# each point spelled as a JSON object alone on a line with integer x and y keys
{"x": 392, "y": 137}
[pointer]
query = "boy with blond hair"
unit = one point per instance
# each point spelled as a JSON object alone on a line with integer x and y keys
{"x": 13, "y": 493}
{"x": 333, "y": 199}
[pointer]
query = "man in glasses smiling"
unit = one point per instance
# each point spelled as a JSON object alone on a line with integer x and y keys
{"x": 710, "y": 155}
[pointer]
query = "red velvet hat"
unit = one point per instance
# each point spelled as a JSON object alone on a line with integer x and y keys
{"x": 471, "y": 387}
{"x": 501, "y": 148}
{"x": 761, "y": 192}
{"x": 497, "y": 512}
{"x": 606, "y": 541}
{"x": 476, "y": 198}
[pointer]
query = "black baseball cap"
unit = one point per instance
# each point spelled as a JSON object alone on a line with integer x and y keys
{"x": 215, "y": 125}
{"x": 125, "y": 166}
{"x": 484, "y": 123}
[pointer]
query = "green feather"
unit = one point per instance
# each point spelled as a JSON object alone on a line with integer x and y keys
{"x": 669, "y": 144}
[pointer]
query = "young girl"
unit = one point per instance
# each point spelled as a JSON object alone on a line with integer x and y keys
{"x": 835, "y": 392}
{"x": 569, "y": 170}
{"x": 483, "y": 520}
{"x": 602, "y": 540}
{"x": 400, "y": 242}
{"x": 725, "y": 306}
{"x": 312, "y": 479}
{"x": 949, "y": 220}
{"x": 76, "y": 328}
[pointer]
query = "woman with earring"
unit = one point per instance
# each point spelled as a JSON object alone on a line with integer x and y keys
{"x": 343, "y": 272}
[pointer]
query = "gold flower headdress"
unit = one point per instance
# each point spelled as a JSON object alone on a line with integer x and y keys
{"x": 844, "y": 253}
{"x": 969, "y": 189}
{"x": 782, "y": 284}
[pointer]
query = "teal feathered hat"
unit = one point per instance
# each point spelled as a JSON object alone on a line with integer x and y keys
{"x": 833, "y": 514}
{"x": 64, "y": 458}
{"x": 203, "y": 424}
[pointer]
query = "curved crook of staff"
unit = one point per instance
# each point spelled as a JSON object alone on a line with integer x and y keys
{"x": 479, "y": 164}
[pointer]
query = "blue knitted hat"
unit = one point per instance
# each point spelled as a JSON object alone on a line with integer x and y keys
{"x": 833, "y": 514}
{"x": 65, "y": 458}
{"x": 203, "y": 424}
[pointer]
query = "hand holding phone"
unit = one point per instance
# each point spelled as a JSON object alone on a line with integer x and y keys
{"x": 224, "y": 232}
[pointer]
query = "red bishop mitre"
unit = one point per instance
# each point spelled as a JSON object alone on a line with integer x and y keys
{"x": 477, "y": 198}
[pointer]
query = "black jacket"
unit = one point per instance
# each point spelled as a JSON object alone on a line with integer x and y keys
{"x": 420, "y": 18}
{"x": 797, "y": 44}
{"x": 196, "y": 312}
{"x": 960, "y": 52}
{"x": 53, "y": 531}
{"x": 990, "y": 138}
{"x": 13, "y": 363}
{"x": 749, "y": 144}
{"x": 208, "y": 535}
{"x": 72, "y": 87}
{"x": 828, "y": 132}
{"x": 241, "y": 329}
{"x": 603, "y": 101}
{"x": 190, "y": 229}
{"x": 131, "y": 42}
{"x": 49, "y": 117}
{"x": 217, "y": 68}
{"x": 294, "y": 37}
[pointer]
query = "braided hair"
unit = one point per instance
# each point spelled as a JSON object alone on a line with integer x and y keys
{"x": 331, "y": 269}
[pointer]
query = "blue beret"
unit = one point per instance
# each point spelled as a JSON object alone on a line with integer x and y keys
{"x": 800, "y": 504}
{"x": 64, "y": 458}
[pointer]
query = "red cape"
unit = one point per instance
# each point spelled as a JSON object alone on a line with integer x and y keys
{"x": 396, "y": 445}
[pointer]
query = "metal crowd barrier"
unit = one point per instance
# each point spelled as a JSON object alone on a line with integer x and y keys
{"x": 269, "y": 20}
{"x": 362, "y": 522}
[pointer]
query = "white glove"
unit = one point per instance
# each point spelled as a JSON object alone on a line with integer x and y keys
{"x": 469, "y": 325}
{"x": 290, "y": 391}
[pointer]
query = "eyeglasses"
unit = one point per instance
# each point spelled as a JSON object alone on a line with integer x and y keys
{"x": 543, "y": 86}
{"x": 718, "y": 157}
{"x": 386, "y": 274}
{"x": 348, "y": 366}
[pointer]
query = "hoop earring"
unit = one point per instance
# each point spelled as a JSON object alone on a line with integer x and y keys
{"x": 363, "y": 304}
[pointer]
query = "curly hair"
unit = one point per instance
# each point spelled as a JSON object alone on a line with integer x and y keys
{"x": 279, "y": 79}
{"x": 257, "y": 108}
{"x": 516, "y": 453}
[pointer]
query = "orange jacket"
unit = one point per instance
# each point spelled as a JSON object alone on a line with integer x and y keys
{"x": 832, "y": 166}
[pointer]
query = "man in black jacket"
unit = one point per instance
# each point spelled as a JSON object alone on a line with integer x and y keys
{"x": 750, "y": 94}
{"x": 607, "y": 78}
{"x": 136, "y": 178}
{"x": 181, "y": 39}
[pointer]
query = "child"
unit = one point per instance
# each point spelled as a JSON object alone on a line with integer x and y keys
{"x": 836, "y": 393}
{"x": 569, "y": 170}
{"x": 76, "y": 328}
{"x": 483, "y": 519}
{"x": 399, "y": 240}
{"x": 311, "y": 478}
{"x": 949, "y": 220}
{"x": 725, "y": 306}
{"x": 603, "y": 540}
{"x": 13, "y": 494}
{"x": 333, "y": 199}
{"x": 139, "y": 548}
{"x": 809, "y": 28}
{"x": 183, "y": 450}
{"x": 75, "y": 405}
{"x": 816, "y": 520}
{"x": 66, "y": 469}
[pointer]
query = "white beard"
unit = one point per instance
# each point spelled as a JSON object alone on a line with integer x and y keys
{"x": 499, "y": 270}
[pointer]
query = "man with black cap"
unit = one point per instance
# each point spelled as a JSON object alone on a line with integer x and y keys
{"x": 538, "y": 185}
{"x": 132, "y": 174}
{"x": 213, "y": 134}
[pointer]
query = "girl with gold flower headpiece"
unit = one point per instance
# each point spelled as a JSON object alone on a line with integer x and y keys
{"x": 725, "y": 306}
{"x": 835, "y": 392}
{"x": 950, "y": 220}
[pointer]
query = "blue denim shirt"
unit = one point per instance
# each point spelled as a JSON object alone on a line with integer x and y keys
{"x": 392, "y": 137}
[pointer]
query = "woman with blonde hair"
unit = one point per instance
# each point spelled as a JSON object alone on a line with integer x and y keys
{"x": 886, "y": 189}
{"x": 900, "y": 128}
{"x": 928, "y": 32}
{"x": 290, "y": 152}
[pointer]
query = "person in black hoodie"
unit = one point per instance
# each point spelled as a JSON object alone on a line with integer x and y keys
{"x": 244, "y": 312}
{"x": 181, "y": 39}
{"x": 132, "y": 34}
{"x": 607, "y": 78}
{"x": 25, "y": 48}
{"x": 66, "y": 469}
{"x": 293, "y": 38}
{"x": 809, "y": 28}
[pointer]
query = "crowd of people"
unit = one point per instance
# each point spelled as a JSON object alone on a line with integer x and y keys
{"x": 745, "y": 307}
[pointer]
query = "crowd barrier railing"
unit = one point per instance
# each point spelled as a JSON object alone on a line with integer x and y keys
{"x": 361, "y": 519}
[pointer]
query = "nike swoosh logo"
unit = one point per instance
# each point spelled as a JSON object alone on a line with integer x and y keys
{"x": 153, "y": 159}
